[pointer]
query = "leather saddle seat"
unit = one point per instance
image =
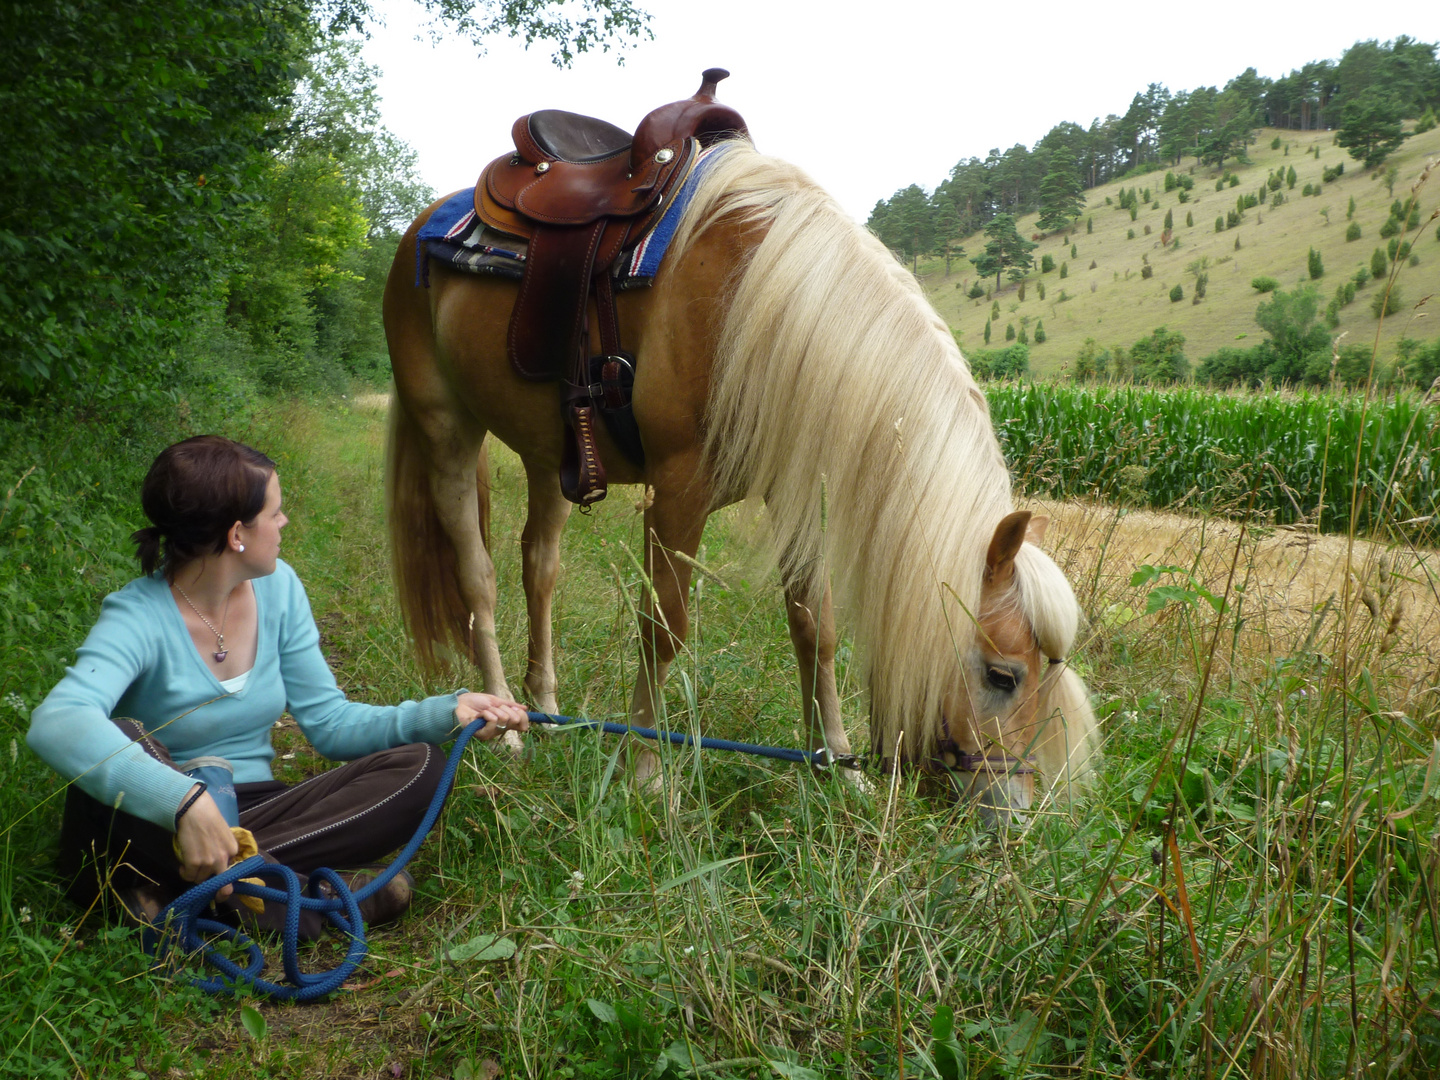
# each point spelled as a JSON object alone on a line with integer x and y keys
{"x": 580, "y": 191}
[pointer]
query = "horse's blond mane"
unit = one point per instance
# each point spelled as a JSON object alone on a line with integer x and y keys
{"x": 840, "y": 398}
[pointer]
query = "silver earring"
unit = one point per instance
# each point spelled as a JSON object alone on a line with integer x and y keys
{"x": 242, "y": 547}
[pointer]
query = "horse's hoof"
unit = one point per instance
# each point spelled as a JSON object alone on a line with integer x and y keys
{"x": 513, "y": 742}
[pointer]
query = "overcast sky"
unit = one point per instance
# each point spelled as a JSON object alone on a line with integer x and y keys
{"x": 867, "y": 98}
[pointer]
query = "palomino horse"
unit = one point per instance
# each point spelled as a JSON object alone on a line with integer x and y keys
{"x": 786, "y": 356}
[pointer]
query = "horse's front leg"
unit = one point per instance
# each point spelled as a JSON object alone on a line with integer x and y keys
{"x": 674, "y": 523}
{"x": 540, "y": 554}
{"x": 814, "y": 640}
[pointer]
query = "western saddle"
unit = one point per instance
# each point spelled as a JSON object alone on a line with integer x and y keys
{"x": 580, "y": 191}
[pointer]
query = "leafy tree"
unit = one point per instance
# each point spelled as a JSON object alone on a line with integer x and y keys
{"x": 1291, "y": 321}
{"x": 1061, "y": 199}
{"x": 1005, "y": 250}
{"x": 1370, "y": 126}
{"x": 1160, "y": 358}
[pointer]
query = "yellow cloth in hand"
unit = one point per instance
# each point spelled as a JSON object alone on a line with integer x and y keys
{"x": 248, "y": 847}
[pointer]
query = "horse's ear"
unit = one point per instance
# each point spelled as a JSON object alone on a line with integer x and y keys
{"x": 1035, "y": 531}
{"x": 1009, "y": 535}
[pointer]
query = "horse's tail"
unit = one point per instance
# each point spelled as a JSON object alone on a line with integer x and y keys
{"x": 1067, "y": 747}
{"x": 422, "y": 556}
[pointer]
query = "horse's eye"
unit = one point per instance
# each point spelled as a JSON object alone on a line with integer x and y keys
{"x": 1001, "y": 678}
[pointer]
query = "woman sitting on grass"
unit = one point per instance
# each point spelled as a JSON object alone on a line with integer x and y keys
{"x": 198, "y": 659}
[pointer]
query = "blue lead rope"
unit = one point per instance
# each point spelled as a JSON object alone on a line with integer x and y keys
{"x": 185, "y": 929}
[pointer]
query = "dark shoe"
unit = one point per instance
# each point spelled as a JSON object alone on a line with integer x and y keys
{"x": 389, "y": 903}
{"x": 142, "y": 905}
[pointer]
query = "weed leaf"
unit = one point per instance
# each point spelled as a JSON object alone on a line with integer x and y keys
{"x": 253, "y": 1022}
{"x": 604, "y": 1012}
{"x": 484, "y": 948}
{"x": 950, "y": 1058}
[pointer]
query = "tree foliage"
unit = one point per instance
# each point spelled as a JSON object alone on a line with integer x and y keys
{"x": 1061, "y": 199}
{"x": 1005, "y": 249}
{"x": 1370, "y": 126}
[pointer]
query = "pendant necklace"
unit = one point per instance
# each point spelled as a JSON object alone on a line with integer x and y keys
{"x": 220, "y": 651}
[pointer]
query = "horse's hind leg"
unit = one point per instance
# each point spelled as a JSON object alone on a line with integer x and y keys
{"x": 674, "y": 522}
{"x": 814, "y": 640}
{"x": 540, "y": 553}
{"x": 454, "y": 456}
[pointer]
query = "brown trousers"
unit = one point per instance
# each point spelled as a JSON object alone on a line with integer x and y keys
{"x": 344, "y": 818}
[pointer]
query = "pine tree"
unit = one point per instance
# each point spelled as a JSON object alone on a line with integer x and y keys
{"x": 1316, "y": 267}
{"x": 1061, "y": 193}
{"x": 1370, "y": 126}
{"x": 1005, "y": 249}
{"x": 1379, "y": 264}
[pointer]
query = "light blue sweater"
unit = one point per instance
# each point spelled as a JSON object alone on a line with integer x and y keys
{"x": 139, "y": 662}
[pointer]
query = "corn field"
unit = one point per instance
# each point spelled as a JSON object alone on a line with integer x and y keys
{"x": 1280, "y": 457}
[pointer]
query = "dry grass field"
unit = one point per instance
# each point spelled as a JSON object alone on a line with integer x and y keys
{"x": 1114, "y": 304}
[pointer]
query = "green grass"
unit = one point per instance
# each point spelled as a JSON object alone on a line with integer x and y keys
{"x": 1115, "y": 305}
{"x": 753, "y": 917}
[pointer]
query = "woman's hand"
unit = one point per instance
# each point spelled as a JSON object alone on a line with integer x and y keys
{"x": 502, "y": 715}
{"x": 207, "y": 845}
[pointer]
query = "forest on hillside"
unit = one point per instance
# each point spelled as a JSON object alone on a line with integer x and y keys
{"x": 185, "y": 182}
{"x": 1365, "y": 96}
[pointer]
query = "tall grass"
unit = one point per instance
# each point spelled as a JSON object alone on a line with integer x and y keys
{"x": 1250, "y": 888}
{"x": 1276, "y": 455}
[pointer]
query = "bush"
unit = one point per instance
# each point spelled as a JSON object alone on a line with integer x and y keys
{"x": 1147, "y": 271}
{"x": 1020, "y": 292}
{"x": 1160, "y": 358}
{"x": 1047, "y": 263}
{"x": 1278, "y": 199}
{"x": 1089, "y": 224}
{"x": 1202, "y": 282}
{"x": 1177, "y": 294}
{"x": 1064, "y": 269}
{"x": 1307, "y": 190}
{"x": 1024, "y": 336}
{"x": 1275, "y": 143}
{"x": 1350, "y": 210}
{"x": 976, "y": 291}
{"x": 1129, "y": 234}
{"x": 1072, "y": 251}
{"x": 987, "y": 331}
{"x": 1147, "y": 230}
{"x": 1040, "y": 332}
{"x": 1093, "y": 264}
{"x": 1006, "y": 363}
{"x": 1040, "y": 289}
{"x": 1315, "y": 266}
{"x": 1219, "y": 224}
{"x": 995, "y": 311}
{"x": 1134, "y": 213}
{"x": 1290, "y": 177}
{"x": 1413, "y": 221}
{"x": 1189, "y": 219}
{"x": 1183, "y": 195}
{"x": 1329, "y": 175}
{"x": 1352, "y": 231}
{"x": 1169, "y": 219}
{"x": 1385, "y": 302}
{"x": 1361, "y": 277}
{"x": 1379, "y": 264}
{"x": 1009, "y": 331}
{"x": 1398, "y": 252}
{"x": 1264, "y": 284}
{"x": 1232, "y": 219}
{"x": 1170, "y": 181}
{"x": 1390, "y": 228}
{"x": 1426, "y": 121}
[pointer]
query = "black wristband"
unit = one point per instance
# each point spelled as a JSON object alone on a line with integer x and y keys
{"x": 189, "y": 803}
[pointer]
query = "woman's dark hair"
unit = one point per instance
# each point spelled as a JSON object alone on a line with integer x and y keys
{"x": 194, "y": 492}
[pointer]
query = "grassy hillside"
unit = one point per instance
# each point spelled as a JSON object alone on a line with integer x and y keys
{"x": 1114, "y": 304}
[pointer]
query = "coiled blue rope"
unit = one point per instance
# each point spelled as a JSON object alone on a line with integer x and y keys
{"x": 184, "y": 930}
